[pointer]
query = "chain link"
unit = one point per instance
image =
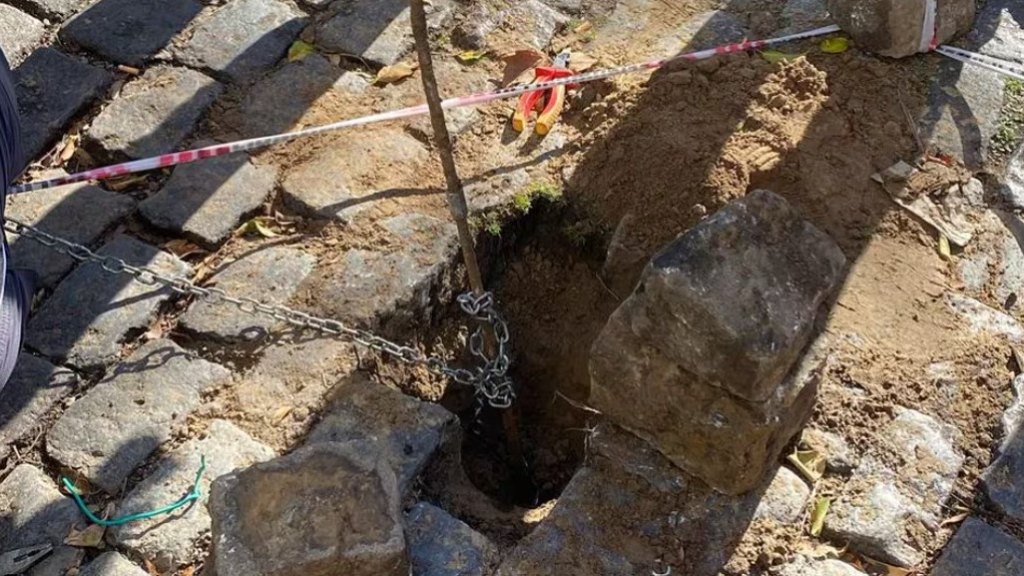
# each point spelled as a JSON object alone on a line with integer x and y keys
{"x": 490, "y": 379}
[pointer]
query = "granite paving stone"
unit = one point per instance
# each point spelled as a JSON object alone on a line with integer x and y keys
{"x": 33, "y": 511}
{"x": 111, "y": 564}
{"x": 52, "y": 88}
{"x": 333, "y": 183}
{"x": 174, "y": 540}
{"x": 129, "y": 31}
{"x": 242, "y": 38}
{"x": 59, "y": 562}
{"x": 271, "y": 275}
{"x": 78, "y": 212}
{"x": 377, "y": 31}
{"x": 19, "y": 33}
{"x": 276, "y": 103}
{"x": 33, "y": 389}
{"x": 123, "y": 419}
{"x": 154, "y": 113}
{"x": 207, "y": 200}
{"x": 1003, "y": 480}
{"x": 106, "y": 306}
{"x": 538, "y": 22}
{"x": 55, "y": 9}
{"x": 440, "y": 545}
{"x": 803, "y": 566}
{"x": 980, "y": 550}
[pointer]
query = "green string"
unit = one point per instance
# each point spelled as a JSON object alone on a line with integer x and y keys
{"x": 192, "y": 496}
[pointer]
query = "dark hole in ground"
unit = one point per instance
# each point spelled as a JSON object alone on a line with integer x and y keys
{"x": 544, "y": 270}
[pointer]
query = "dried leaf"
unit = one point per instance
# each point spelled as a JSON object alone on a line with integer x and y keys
{"x": 69, "y": 149}
{"x": 944, "y": 251}
{"x": 182, "y": 248}
{"x": 580, "y": 62}
{"x": 818, "y": 516}
{"x": 256, "y": 226}
{"x": 281, "y": 413}
{"x": 775, "y": 56}
{"x": 836, "y": 45}
{"x": 299, "y": 50}
{"x": 955, "y": 519}
{"x": 584, "y": 27}
{"x": 887, "y": 569}
{"x": 394, "y": 73}
{"x": 810, "y": 463}
{"x": 519, "y": 63}
{"x": 470, "y": 56}
{"x": 90, "y": 537}
{"x": 119, "y": 184}
{"x": 150, "y": 567}
{"x": 129, "y": 70}
{"x": 188, "y": 571}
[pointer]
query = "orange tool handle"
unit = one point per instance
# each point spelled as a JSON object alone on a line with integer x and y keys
{"x": 547, "y": 118}
{"x": 527, "y": 102}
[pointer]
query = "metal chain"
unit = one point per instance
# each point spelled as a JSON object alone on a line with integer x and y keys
{"x": 489, "y": 380}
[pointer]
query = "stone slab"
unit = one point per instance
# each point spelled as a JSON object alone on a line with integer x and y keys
{"x": 979, "y": 318}
{"x": 78, "y": 212}
{"x": 86, "y": 318}
{"x": 893, "y": 27}
{"x": 1011, "y": 190}
{"x": 154, "y": 113}
{"x": 59, "y": 562}
{"x": 706, "y": 30}
{"x": 19, "y": 33}
{"x": 174, "y": 540}
{"x": 123, "y": 419}
{"x": 803, "y": 566}
{"x": 980, "y": 550}
{"x": 55, "y": 9}
{"x": 408, "y": 432}
{"x": 129, "y": 31}
{"x": 276, "y": 103}
{"x": 377, "y": 31}
{"x": 34, "y": 388}
{"x": 242, "y": 38}
{"x": 388, "y": 288}
{"x": 333, "y": 183}
{"x": 440, "y": 545}
{"x": 111, "y": 564}
{"x": 839, "y": 457}
{"x": 271, "y": 276}
{"x": 1003, "y": 480}
{"x": 320, "y": 510}
{"x": 52, "y": 89}
{"x": 207, "y": 200}
{"x": 536, "y": 23}
{"x": 885, "y": 504}
{"x": 35, "y": 512}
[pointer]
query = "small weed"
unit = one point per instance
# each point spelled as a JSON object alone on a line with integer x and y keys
{"x": 1011, "y": 122}
{"x": 522, "y": 202}
{"x": 492, "y": 225}
{"x": 577, "y": 233}
{"x": 545, "y": 191}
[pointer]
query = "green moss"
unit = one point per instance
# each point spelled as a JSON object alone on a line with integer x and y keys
{"x": 1011, "y": 121}
{"x": 522, "y": 202}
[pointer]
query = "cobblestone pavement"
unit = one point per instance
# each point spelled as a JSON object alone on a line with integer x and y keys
{"x": 126, "y": 386}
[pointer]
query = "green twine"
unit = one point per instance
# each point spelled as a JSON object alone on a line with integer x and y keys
{"x": 192, "y": 496}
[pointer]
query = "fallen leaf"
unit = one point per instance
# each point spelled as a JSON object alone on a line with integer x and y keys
{"x": 775, "y": 56}
{"x": 887, "y": 569}
{"x": 836, "y": 45}
{"x": 129, "y": 70}
{"x": 584, "y": 27}
{"x": 188, "y": 571}
{"x": 299, "y": 50}
{"x": 810, "y": 463}
{"x": 470, "y": 56}
{"x": 69, "y": 149}
{"x": 519, "y": 63}
{"x": 281, "y": 413}
{"x": 119, "y": 184}
{"x": 256, "y": 226}
{"x": 944, "y": 251}
{"x": 580, "y": 62}
{"x": 394, "y": 73}
{"x": 150, "y": 567}
{"x": 90, "y": 537}
{"x": 818, "y": 516}
{"x": 182, "y": 248}
{"x": 954, "y": 519}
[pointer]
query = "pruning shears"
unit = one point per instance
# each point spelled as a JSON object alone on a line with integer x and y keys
{"x": 554, "y": 103}
{"x": 17, "y": 561}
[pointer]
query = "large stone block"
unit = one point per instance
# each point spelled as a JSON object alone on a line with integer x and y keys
{"x": 440, "y": 545}
{"x": 130, "y": 31}
{"x": 34, "y": 511}
{"x": 894, "y": 27}
{"x": 981, "y": 550}
{"x": 19, "y": 32}
{"x": 376, "y": 30}
{"x": 111, "y": 564}
{"x": 35, "y": 387}
{"x": 702, "y": 360}
{"x": 323, "y": 510}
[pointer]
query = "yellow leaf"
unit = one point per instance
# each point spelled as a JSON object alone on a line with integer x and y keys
{"x": 391, "y": 74}
{"x": 256, "y": 226}
{"x": 955, "y": 519}
{"x": 151, "y": 568}
{"x": 69, "y": 149}
{"x": 584, "y": 27}
{"x": 775, "y": 56}
{"x": 300, "y": 50}
{"x": 810, "y": 463}
{"x": 836, "y": 45}
{"x": 470, "y": 56}
{"x": 281, "y": 413}
{"x": 518, "y": 63}
{"x": 90, "y": 537}
{"x": 944, "y": 248}
{"x": 182, "y": 248}
{"x": 818, "y": 516}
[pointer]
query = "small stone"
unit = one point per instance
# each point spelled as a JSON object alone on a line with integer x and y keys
{"x": 839, "y": 457}
{"x": 536, "y": 23}
{"x": 496, "y": 191}
{"x": 86, "y": 318}
{"x": 59, "y": 562}
{"x": 122, "y": 420}
{"x": 57, "y": 9}
{"x": 893, "y": 27}
{"x": 52, "y": 89}
{"x": 277, "y": 103}
{"x": 477, "y": 24}
{"x": 388, "y": 289}
{"x": 271, "y": 276}
{"x": 35, "y": 512}
{"x": 130, "y": 31}
{"x": 320, "y": 510}
{"x": 111, "y": 564}
{"x": 567, "y": 6}
{"x": 34, "y": 388}
{"x": 974, "y": 272}
{"x": 1011, "y": 269}
{"x": 1012, "y": 190}
{"x": 980, "y": 550}
{"x": 242, "y": 38}
{"x": 625, "y": 259}
{"x": 154, "y": 114}
{"x": 409, "y": 433}
{"x": 173, "y": 540}
{"x": 1014, "y": 415}
{"x": 980, "y": 318}
{"x": 77, "y": 212}
{"x": 206, "y": 200}
{"x": 881, "y": 508}
{"x": 803, "y": 15}
{"x": 19, "y": 33}
{"x": 804, "y": 566}
{"x": 377, "y": 31}
{"x": 333, "y": 184}
{"x": 440, "y": 545}
{"x": 1002, "y": 479}
{"x": 786, "y": 498}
